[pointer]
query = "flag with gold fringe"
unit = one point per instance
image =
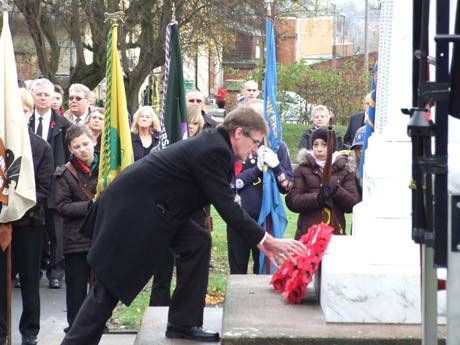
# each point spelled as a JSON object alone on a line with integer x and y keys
{"x": 116, "y": 146}
{"x": 17, "y": 181}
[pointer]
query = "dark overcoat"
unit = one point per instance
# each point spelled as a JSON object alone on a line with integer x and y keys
{"x": 136, "y": 218}
{"x": 73, "y": 204}
{"x": 139, "y": 150}
{"x": 356, "y": 121}
{"x": 56, "y": 139}
{"x": 43, "y": 170}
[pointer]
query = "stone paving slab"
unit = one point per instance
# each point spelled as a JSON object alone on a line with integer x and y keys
{"x": 53, "y": 319}
{"x": 107, "y": 339}
{"x": 255, "y": 314}
{"x": 154, "y": 321}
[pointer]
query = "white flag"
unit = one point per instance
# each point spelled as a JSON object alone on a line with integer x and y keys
{"x": 17, "y": 180}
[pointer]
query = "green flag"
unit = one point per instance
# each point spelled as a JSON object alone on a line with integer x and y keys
{"x": 174, "y": 114}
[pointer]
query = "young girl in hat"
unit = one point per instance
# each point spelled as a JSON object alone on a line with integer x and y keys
{"x": 309, "y": 196}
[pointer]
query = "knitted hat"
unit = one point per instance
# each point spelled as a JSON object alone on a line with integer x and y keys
{"x": 321, "y": 133}
{"x": 358, "y": 140}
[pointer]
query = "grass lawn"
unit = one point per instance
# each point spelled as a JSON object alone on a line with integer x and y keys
{"x": 130, "y": 317}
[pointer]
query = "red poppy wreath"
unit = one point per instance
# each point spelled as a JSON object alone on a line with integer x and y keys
{"x": 290, "y": 279}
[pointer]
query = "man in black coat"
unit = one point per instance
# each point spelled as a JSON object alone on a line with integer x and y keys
{"x": 356, "y": 121}
{"x": 27, "y": 246}
{"x": 147, "y": 209}
{"x": 49, "y": 125}
{"x": 161, "y": 287}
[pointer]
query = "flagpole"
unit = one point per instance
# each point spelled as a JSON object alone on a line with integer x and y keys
{"x": 113, "y": 18}
{"x": 6, "y": 8}
{"x": 8, "y": 293}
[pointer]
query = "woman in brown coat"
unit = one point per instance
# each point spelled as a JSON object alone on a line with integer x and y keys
{"x": 304, "y": 197}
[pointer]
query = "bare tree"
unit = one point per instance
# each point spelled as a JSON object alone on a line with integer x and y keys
{"x": 141, "y": 38}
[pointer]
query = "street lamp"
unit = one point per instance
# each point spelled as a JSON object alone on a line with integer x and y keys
{"x": 366, "y": 47}
{"x": 343, "y": 16}
{"x": 334, "y": 36}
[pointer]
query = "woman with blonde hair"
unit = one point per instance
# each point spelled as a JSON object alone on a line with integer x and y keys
{"x": 195, "y": 121}
{"x": 95, "y": 121}
{"x": 145, "y": 131}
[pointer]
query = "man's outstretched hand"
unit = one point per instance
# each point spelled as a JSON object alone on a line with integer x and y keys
{"x": 278, "y": 250}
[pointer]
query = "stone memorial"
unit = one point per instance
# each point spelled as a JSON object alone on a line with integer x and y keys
{"x": 373, "y": 276}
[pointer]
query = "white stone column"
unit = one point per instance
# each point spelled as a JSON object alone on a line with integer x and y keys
{"x": 373, "y": 275}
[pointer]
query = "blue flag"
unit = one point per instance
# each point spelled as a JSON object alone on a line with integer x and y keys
{"x": 272, "y": 209}
{"x": 370, "y": 119}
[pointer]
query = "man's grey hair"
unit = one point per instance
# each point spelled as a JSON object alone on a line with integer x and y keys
{"x": 80, "y": 88}
{"x": 43, "y": 82}
{"x": 256, "y": 104}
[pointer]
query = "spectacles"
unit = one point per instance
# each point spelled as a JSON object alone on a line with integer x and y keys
{"x": 254, "y": 141}
{"x": 195, "y": 100}
{"x": 76, "y": 98}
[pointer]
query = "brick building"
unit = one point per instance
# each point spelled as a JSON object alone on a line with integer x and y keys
{"x": 297, "y": 39}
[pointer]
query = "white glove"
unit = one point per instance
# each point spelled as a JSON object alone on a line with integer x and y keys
{"x": 260, "y": 158}
{"x": 271, "y": 158}
{"x": 238, "y": 199}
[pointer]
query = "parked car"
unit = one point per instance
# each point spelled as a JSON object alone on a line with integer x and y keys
{"x": 293, "y": 108}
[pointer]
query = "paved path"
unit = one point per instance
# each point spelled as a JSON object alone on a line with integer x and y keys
{"x": 53, "y": 319}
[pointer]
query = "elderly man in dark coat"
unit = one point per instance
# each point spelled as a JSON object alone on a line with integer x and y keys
{"x": 356, "y": 121}
{"x": 51, "y": 127}
{"x": 147, "y": 209}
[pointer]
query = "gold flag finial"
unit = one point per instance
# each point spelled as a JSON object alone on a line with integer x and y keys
{"x": 6, "y": 5}
{"x": 268, "y": 3}
{"x": 114, "y": 17}
{"x": 173, "y": 15}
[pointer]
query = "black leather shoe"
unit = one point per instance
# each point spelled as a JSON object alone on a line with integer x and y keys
{"x": 29, "y": 340}
{"x": 191, "y": 333}
{"x": 55, "y": 284}
{"x": 2, "y": 339}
